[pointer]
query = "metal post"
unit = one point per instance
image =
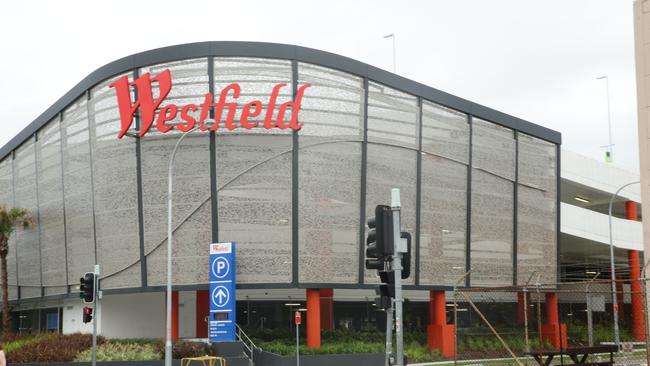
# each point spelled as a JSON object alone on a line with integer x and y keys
{"x": 611, "y": 262}
{"x": 397, "y": 269}
{"x": 389, "y": 333}
{"x": 168, "y": 316}
{"x": 590, "y": 321}
{"x": 525, "y": 291}
{"x": 610, "y": 147}
{"x": 95, "y": 315}
{"x": 297, "y": 345}
{"x": 392, "y": 35}
{"x": 456, "y": 315}
{"x": 645, "y": 312}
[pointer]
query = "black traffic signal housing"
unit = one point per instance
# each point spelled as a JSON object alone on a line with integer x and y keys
{"x": 87, "y": 287}
{"x": 87, "y": 314}
{"x": 379, "y": 243}
{"x": 383, "y": 301}
{"x": 406, "y": 258}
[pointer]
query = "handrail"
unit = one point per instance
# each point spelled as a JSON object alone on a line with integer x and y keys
{"x": 247, "y": 342}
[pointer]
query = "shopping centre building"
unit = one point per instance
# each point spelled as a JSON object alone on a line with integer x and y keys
{"x": 308, "y": 143}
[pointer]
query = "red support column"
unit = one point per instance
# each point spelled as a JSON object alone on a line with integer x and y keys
{"x": 174, "y": 314}
{"x": 440, "y": 335}
{"x": 202, "y": 313}
{"x": 638, "y": 320}
{"x": 553, "y": 331}
{"x": 327, "y": 308}
{"x": 313, "y": 318}
{"x": 521, "y": 307}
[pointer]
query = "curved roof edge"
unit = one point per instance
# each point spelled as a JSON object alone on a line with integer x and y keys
{"x": 278, "y": 51}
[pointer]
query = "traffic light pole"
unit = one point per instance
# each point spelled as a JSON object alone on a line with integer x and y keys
{"x": 389, "y": 333}
{"x": 397, "y": 269}
{"x": 95, "y": 288}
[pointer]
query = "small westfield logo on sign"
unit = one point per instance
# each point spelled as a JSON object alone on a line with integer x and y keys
{"x": 220, "y": 248}
{"x": 147, "y": 107}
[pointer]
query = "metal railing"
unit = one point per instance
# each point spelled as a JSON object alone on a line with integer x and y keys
{"x": 248, "y": 343}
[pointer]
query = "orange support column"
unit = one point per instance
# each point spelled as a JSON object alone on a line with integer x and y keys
{"x": 440, "y": 335}
{"x": 553, "y": 331}
{"x": 174, "y": 314}
{"x": 313, "y": 318}
{"x": 327, "y": 308}
{"x": 202, "y": 313}
{"x": 638, "y": 320}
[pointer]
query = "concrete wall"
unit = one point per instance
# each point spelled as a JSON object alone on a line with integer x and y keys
{"x": 72, "y": 318}
{"x": 133, "y": 315}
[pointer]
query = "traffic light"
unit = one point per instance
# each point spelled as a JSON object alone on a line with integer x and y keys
{"x": 379, "y": 243}
{"x": 88, "y": 314}
{"x": 406, "y": 258}
{"x": 384, "y": 300}
{"x": 87, "y": 287}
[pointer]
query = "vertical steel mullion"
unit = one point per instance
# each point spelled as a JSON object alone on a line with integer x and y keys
{"x": 418, "y": 194}
{"x": 362, "y": 188}
{"x": 468, "y": 228}
{"x": 13, "y": 188}
{"x": 138, "y": 166}
{"x": 65, "y": 226}
{"x": 295, "y": 257}
{"x": 91, "y": 145}
{"x": 38, "y": 214}
{"x": 214, "y": 208}
{"x": 515, "y": 212}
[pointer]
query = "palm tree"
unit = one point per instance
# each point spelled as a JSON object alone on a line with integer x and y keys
{"x": 10, "y": 218}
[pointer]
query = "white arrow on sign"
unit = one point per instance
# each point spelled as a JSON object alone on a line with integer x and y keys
{"x": 220, "y": 296}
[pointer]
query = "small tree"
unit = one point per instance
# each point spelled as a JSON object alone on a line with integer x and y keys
{"x": 10, "y": 218}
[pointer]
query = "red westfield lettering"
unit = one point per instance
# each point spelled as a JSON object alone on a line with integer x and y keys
{"x": 147, "y": 105}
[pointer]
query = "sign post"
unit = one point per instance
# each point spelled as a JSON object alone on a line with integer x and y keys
{"x": 298, "y": 320}
{"x": 223, "y": 316}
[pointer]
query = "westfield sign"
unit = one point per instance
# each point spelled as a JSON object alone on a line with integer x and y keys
{"x": 146, "y": 106}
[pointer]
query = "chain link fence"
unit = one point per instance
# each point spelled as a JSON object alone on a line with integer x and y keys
{"x": 562, "y": 324}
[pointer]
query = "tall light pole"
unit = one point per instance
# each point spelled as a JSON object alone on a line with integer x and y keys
{"x": 168, "y": 317}
{"x": 610, "y": 146}
{"x": 392, "y": 35}
{"x": 611, "y": 261}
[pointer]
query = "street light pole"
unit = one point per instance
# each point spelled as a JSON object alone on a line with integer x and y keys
{"x": 611, "y": 261}
{"x": 610, "y": 146}
{"x": 168, "y": 317}
{"x": 392, "y": 35}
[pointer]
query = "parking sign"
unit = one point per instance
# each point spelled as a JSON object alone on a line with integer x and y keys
{"x": 223, "y": 308}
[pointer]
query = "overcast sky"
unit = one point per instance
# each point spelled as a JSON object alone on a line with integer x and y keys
{"x": 537, "y": 60}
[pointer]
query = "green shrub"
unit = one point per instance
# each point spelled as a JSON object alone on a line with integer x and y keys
{"x": 53, "y": 348}
{"x": 112, "y": 351}
{"x": 17, "y": 343}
